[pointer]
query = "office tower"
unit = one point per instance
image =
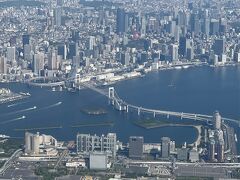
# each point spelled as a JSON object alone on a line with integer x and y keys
{"x": 184, "y": 43}
{"x": 165, "y": 151}
{"x": 220, "y": 151}
{"x": 125, "y": 58}
{"x": 25, "y": 39}
{"x": 190, "y": 53}
{"x": 194, "y": 23}
{"x": 217, "y": 120}
{"x": 52, "y": 59}
{"x": 72, "y": 50}
{"x": 58, "y": 16}
{"x": 3, "y": 65}
{"x": 143, "y": 26}
{"x": 38, "y": 62}
{"x": 173, "y": 51}
{"x": 121, "y": 21}
{"x": 211, "y": 150}
{"x": 214, "y": 27}
{"x": 90, "y": 143}
{"x": 11, "y": 54}
{"x": 62, "y": 50}
{"x": 136, "y": 147}
{"x": 91, "y": 42}
{"x": 219, "y": 46}
{"x": 27, "y": 52}
{"x": 206, "y": 26}
{"x": 171, "y": 27}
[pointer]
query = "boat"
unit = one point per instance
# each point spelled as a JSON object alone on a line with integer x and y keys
{"x": 177, "y": 67}
{"x": 34, "y": 107}
{"x": 53, "y": 89}
{"x": 186, "y": 66}
{"x": 235, "y": 136}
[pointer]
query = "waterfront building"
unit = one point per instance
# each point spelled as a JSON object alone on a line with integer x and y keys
{"x": 173, "y": 50}
{"x": 165, "y": 149}
{"x": 36, "y": 144}
{"x": 136, "y": 147}
{"x": 219, "y": 46}
{"x": 217, "y": 120}
{"x": 89, "y": 143}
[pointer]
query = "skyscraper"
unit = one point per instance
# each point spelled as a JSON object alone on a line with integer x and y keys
{"x": 11, "y": 54}
{"x": 184, "y": 43}
{"x": 136, "y": 147}
{"x": 3, "y": 65}
{"x": 121, "y": 21}
{"x": 173, "y": 51}
{"x": 38, "y": 62}
{"x": 165, "y": 151}
{"x": 219, "y": 46}
{"x": 58, "y": 16}
{"x": 25, "y": 39}
{"x": 217, "y": 120}
{"x": 52, "y": 59}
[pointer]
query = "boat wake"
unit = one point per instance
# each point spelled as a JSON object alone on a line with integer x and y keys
{"x": 15, "y": 104}
{"x": 23, "y": 110}
{"x": 13, "y": 120}
{"x": 53, "y": 105}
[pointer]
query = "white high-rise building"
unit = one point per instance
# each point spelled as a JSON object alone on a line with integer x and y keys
{"x": 38, "y": 62}
{"x": 217, "y": 120}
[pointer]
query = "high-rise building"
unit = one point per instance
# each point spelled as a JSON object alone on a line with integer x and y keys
{"x": 3, "y": 65}
{"x": 38, "y": 62}
{"x": 58, "y": 16}
{"x": 62, "y": 50}
{"x": 72, "y": 50}
{"x": 11, "y": 54}
{"x": 184, "y": 43}
{"x": 35, "y": 142}
{"x": 121, "y": 21}
{"x": 125, "y": 58}
{"x": 211, "y": 150}
{"x": 91, "y": 42}
{"x": 165, "y": 150}
{"x": 27, "y": 52}
{"x": 220, "y": 151}
{"x": 136, "y": 147}
{"x": 214, "y": 26}
{"x": 25, "y": 39}
{"x": 217, "y": 120}
{"x": 173, "y": 51}
{"x": 219, "y": 46}
{"x": 52, "y": 59}
{"x": 88, "y": 143}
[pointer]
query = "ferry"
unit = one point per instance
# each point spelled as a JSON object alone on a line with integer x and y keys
{"x": 4, "y": 136}
{"x": 177, "y": 67}
{"x": 236, "y": 139}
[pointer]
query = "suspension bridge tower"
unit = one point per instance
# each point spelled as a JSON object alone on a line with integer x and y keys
{"x": 111, "y": 95}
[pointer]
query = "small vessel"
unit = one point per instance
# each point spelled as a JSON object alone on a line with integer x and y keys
{"x": 34, "y": 107}
{"x": 178, "y": 67}
{"x": 53, "y": 89}
{"x": 235, "y": 136}
{"x": 186, "y": 66}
